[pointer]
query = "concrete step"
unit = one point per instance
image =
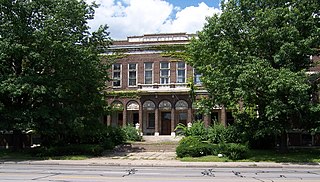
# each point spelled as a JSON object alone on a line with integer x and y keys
{"x": 151, "y": 144}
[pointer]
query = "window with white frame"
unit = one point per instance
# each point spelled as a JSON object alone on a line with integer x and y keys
{"x": 116, "y": 75}
{"x": 132, "y": 72}
{"x": 197, "y": 77}
{"x": 181, "y": 72}
{"x": 164, "y": 72}
{"x": 148, "y": 69}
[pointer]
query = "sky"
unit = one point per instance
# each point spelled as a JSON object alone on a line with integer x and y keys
{"x": 137, "y": 17}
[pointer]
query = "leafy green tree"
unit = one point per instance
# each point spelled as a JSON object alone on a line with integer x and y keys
{"x": 51, "y": 76}
{"x": 256, "y": 53}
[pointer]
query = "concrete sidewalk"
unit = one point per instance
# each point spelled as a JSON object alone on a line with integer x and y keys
{"x": 164, "y": 162}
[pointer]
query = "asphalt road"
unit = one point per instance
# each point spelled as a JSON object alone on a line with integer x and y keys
{"x": 85, "y": 173}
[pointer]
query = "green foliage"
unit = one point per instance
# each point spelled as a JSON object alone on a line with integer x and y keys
{"x": 51, "y": 76}
{"x": 197, "y": 129}
{"x": 74, "y": 149}
{"x": 106, "y": 136}
{"x": 124, "y": 94}
{"x": 217, "y": 133}
{"x": 132, "y": 134}
{"x": 193, "y": 147}
{"x": 257, "y": 53}
{"x": 233, "y": 151}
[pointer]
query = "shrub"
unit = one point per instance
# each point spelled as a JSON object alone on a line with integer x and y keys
{"x": 193, "y": 147}
{"x": 197, "y": 129}
{"x": 233, "y": 151}
{"x": 106, "y": 136}
{"x": 217, "y": 133}
{"x": 74, "y": 149}
{"x": 131, "y": 133}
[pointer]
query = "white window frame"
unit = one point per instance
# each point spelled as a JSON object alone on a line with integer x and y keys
{"x": 120, "y": 79}
{"x": 160, "y": 75}
{"x": 144, "y": 73}
{"x": 185, "y": 72}
{"x": 194, "y": 77}
{"x": 136, "y": 70}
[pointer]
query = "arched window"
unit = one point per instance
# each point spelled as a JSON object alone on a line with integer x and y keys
{"x": 149, "y": 105}
{"x": 117, "y": 105}
{"x": 132, "y": 106}
{"x": 181, "y": 105}
{"x": 165, "y": 105}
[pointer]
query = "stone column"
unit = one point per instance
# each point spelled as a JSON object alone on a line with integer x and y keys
{"x": 173, "y": 121}
{"x": 124, "y": 122}
{"x": 156, "y": 118}
{"x": 108, "y": 120}
{"x": 206, "y": 119}
{"x": 141, "y": 120}
{"x": 189, "y": 119}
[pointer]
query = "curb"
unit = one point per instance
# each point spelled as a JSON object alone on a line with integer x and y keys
{"x": 157, "y": 163}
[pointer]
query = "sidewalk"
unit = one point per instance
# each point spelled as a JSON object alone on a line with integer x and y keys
{"x": 148, "y": 154}
{"x": 141, "y": 160}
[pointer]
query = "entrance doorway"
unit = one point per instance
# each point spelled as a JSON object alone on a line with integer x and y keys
{"x": 135, "y": 118}
{"x": 165, "y": 123}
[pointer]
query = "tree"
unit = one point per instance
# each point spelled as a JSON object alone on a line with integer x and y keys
{"x": 256, "y": 53}
{"x": 51, "y": 76}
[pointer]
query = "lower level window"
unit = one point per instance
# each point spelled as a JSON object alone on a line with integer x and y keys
{"x": 151, "y": 120}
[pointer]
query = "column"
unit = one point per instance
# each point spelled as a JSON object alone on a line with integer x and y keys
{"x": 223, "y": 116}
{"x": 156, "y": 118}
{"x": 141, "y": 121}
{"x": 108, "y": 120}
{"x": 206, "y": 119}
{"x": 124, "y": 122}
{"x": 189, "y": 120}
{"x": 173, "y": 121}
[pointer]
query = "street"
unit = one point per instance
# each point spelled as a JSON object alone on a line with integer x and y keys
{"x": 68, "y": 173}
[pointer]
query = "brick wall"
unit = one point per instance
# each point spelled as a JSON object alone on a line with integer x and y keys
{"x": 140, "y": 59}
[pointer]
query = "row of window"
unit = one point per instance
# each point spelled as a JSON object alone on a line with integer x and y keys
{"x": 148, "y": 73}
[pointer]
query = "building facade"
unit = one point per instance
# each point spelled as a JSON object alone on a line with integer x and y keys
{"x": 149, "y": 89}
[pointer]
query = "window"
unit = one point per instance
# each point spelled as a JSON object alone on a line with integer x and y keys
{"x": 181, "y": 72}
{"x": 151, "y": 120}
{"x": 116, "y": 74}
{"x": 164, "y": 72}
{"x": 132, "y": 72}
{"x": 182, "y": 118}
{"x": 148, "y": 67}
{"x": 197, "y": 77}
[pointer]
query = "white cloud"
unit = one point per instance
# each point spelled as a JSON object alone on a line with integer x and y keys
{"x": 191, "y": 19}
{"x": 137, "y": 17}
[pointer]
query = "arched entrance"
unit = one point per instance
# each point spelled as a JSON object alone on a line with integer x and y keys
{"x": 133, "y": 112}
{"x": 117, "y": 113}
{"x": 165, "y": 117}
{"x": 181, "y": 111}
{"x": 149, "y": 117}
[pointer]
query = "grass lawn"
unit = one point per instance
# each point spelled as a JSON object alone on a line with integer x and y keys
{"x": 293, "y": 156}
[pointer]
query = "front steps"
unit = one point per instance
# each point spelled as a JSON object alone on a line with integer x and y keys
{"x": 151, "y": 144}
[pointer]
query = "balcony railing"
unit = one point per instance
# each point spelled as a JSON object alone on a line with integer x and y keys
{"x": 170, "y": 87}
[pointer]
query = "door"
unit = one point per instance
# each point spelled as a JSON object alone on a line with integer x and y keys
{"x": 135, "y": 118}
{"x": 165, "y": 123}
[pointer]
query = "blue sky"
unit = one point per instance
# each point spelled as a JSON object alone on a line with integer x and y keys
{"x": 137, "y": 17}
{"x": 186, "y": 3}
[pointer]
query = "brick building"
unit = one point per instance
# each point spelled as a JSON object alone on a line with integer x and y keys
{"x": 150, "y": 88}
